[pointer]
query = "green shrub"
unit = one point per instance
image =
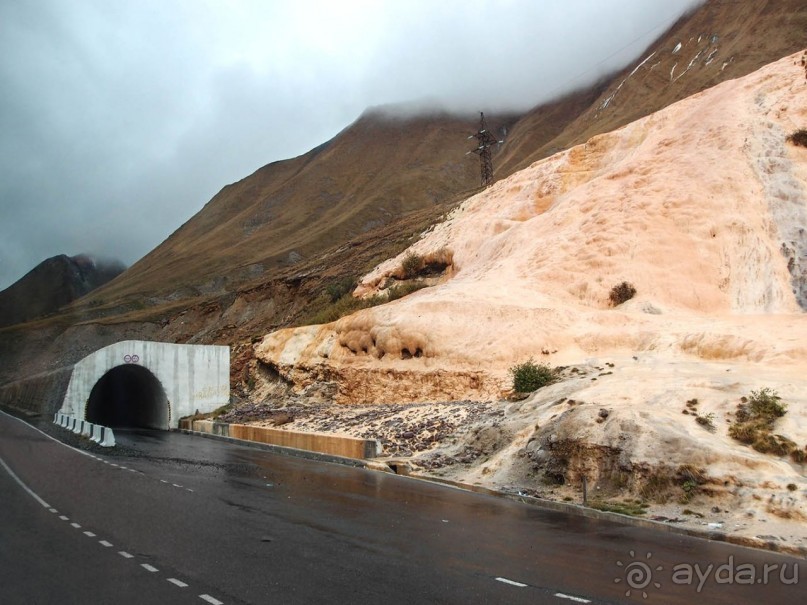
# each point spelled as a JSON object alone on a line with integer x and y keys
{"x": 773, "y": 444}
{"x": 799, "y": 137}
{"x": 707, "y": 420}
{"x": 401, "y": 290}
{"x": 798, "y": 456}
{"x": 621, "y": 293}
{"x": 753, "y": 424}
{"x": 746, "y": 431}
{"x": 530, "y": 376}
{"x": 337, "y": 289}
{"x": 345, "y": 305}
{"x": 412, "y": 263}
{"x": 765, "y": 404}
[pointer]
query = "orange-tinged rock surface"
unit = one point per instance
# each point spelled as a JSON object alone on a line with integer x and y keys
{"x": 701, "y": 206}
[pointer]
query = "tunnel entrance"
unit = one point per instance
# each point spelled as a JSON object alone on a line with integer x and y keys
{"x": 128, "y": 396}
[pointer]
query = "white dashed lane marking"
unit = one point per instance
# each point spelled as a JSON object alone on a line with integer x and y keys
{"x": 511, "y": 582}
{"x": 560, "y": 595}
{"x": 179, "y": 583}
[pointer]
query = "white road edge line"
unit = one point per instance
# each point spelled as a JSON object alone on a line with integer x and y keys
{"x": 560, "y": 595}
{"x": 13, "y": 475}
{"x": 209, "y": 599}
{"x": 53, "y": 510}
{"x": 125, "y": 554}
{"x": 176, "y": 582}
{"x": 511, "y": 582}
{"x": 148, "y": 567}
{"x": 30, "y": 426}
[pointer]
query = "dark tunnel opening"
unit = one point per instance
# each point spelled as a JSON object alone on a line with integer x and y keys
{"x": 128, "y": 396}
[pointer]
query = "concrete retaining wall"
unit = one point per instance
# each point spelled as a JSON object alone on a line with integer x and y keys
{"x": 41, "y": 394}
{"x": 335, "y": 445}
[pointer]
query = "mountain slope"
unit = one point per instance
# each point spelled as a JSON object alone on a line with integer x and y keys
{"x": 259, "y": 255}
{"x": 52, "y": 284}
{"x": 721, "y": 40}
{"x": 383, "y": 166}
{"x": 376, "y": 170}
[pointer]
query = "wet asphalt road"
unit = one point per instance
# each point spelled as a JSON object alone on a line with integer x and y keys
{"x": 239, "y": 525}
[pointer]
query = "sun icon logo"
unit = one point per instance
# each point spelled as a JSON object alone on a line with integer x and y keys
{"x": 638, "y": 574}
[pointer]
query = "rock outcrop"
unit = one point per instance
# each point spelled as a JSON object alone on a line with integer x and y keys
{"x": 701, "y": 206}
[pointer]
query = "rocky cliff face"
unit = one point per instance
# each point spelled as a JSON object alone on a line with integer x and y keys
{"x": 699, "y": 206}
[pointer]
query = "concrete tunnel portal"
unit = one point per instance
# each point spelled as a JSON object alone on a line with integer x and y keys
{"x": 129, "y": 396}
{"x": 146, "y": 384}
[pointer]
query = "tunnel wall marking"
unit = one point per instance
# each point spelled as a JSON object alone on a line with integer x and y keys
{"x": 194, "y": 377}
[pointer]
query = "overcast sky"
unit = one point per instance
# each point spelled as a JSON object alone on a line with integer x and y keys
{"x": 120, "y": 119}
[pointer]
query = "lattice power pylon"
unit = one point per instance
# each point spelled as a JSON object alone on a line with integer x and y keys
{"x": 486, "y": 143}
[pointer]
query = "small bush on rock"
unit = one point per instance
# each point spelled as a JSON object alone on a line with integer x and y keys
{"x": 754, "y": 420}
{"x": 530, "y": 376}
{"x": 766, "y": 403}
{"x": 621, "y": 293}
{"x": 799, "y": 137}
{"x": 412, "y": 263}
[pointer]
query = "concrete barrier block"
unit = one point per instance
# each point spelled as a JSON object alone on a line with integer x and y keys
{"x": 96, "y": 433}
{"x": 108, "y": 437}
{"x": 221, "y": 428}
{"x": 86, "y": 428}
{"x": 203, "y": 426}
